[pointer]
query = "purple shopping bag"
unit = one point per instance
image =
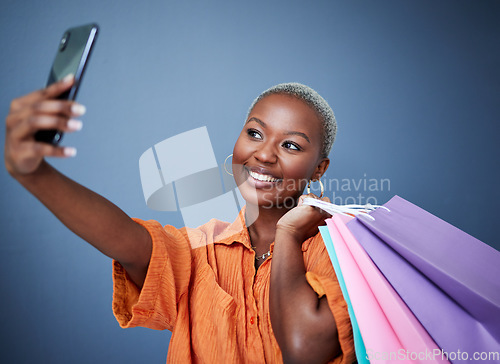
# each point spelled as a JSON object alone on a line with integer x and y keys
{"x": 449, "y": 279}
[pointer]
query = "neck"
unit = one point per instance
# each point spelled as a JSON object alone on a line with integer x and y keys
{"x": 263, "y": 228}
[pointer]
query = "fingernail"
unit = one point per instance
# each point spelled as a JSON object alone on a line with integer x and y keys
{"x": 69, "y": 151}
{"x": 78, "y": 109}
{"x": 68, "y": 78}
{"x": 75, "y": 125}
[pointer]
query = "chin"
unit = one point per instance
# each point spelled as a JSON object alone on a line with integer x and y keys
{"x": 266, "y": 194}
{"x": 267, "y": 199}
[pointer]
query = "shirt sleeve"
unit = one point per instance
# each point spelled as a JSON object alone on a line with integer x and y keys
{"x": 321, "y": 277}
{"x": 167, "y": 280}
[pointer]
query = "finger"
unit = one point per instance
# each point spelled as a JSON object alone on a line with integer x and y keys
{"x": 59, "y": 87}
{"x": 49, "y": 150}
{"x": 302, "y": 197}
{"x": 61, "y": 107}
{"x": 49, "y": 92}
{"x": 312, "y": 195}
{"x": 67, "y": 109}
{"x": 28, "y": 127}
{"x": 29, "y": 154}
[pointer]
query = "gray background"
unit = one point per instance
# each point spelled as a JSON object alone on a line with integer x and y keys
{"x": 414, "y": 85}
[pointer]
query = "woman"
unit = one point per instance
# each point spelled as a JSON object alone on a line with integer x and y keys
{"x": 214, "y": 286}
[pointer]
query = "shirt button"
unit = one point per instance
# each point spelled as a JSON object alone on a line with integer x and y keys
{"x": 252, "y": 320}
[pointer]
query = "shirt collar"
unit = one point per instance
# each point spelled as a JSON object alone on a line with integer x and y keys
{"x": 237, "y": 232}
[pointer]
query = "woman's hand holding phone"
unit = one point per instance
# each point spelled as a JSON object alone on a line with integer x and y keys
{"x": 39, "y": 110}
{"x": 34, "y": 126}
{"x": 87, "y": 214}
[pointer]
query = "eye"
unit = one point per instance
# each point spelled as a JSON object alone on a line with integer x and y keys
{"x": 254, "y": 134}
{"x": 291, "y": 146}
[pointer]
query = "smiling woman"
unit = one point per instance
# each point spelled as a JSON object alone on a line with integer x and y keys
{"x": 254, "y": 292}
{"x": 282, "y": 139}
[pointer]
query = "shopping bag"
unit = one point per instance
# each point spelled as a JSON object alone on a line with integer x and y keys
{"x": 446, "y": 277}
{"x": 389, "y": 329}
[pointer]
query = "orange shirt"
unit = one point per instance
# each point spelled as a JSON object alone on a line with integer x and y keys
{"x": 202, "y": 285}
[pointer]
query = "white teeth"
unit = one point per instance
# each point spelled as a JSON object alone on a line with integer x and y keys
{"x": 263, "y": 177}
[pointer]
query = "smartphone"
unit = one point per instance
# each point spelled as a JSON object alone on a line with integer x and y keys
{"x": 72, "y": 57}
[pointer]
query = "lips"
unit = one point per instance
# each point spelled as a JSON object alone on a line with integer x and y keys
{"x": 262, "y": 175}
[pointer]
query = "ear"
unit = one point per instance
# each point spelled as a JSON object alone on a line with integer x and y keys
{"x": 321, "y": 168}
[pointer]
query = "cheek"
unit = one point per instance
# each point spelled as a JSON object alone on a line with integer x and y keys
{"x": 297, "y": 175}
{"x": 240, "y": 150}
{"x": 298, "y": 169}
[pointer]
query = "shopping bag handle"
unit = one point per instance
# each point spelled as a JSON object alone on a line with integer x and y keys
{"x": 347, "y": 210}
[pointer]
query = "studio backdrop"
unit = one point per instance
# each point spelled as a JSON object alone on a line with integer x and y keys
{"x": 414, "y": 86}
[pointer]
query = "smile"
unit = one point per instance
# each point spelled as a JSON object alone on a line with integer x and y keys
{"x": 263, "y": 177}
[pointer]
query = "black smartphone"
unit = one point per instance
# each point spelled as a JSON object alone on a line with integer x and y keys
{"x": 72, "y": 57}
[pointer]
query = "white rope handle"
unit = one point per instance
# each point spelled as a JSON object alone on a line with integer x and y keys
{"x": 348, "y": 210}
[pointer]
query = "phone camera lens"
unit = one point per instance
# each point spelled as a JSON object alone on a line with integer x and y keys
{"x": 64, "y": 41}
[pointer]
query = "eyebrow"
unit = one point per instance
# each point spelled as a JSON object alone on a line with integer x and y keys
{"x": 263, "y": 124}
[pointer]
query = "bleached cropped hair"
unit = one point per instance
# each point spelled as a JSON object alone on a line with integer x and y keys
{"x": 314, "y": 100}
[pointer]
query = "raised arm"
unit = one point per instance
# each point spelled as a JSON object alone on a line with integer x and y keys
{"x": 303, "y": 324}
{"x": 89, "y": 215}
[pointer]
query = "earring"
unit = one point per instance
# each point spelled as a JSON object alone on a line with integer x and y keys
{"x": 320, "y": 185}
{"x": 230, "y": 155}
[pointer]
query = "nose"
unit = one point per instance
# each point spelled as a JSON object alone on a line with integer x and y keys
{"x": 266, "y": 153}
